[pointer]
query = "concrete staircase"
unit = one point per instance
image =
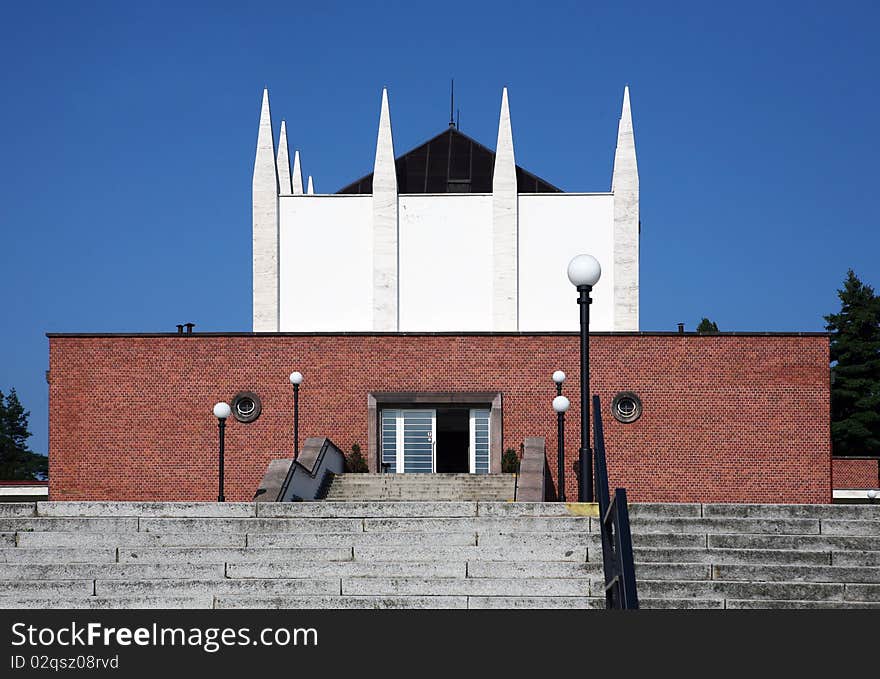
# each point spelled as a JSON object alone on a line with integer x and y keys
{"x": 430, "y": 555}
{"x": 422, "y": 487}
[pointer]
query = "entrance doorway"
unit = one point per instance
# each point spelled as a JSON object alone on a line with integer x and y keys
{"x": 453, "y": 440}
{"x": 441, "y": 440}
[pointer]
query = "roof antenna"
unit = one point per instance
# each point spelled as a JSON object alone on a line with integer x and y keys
{"x": 458, "y": 119}
{"x": 451, "y": 102}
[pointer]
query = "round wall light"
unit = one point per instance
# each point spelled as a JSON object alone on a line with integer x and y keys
{"x": 626, "y": 407}
{"x": 246, "y": 406}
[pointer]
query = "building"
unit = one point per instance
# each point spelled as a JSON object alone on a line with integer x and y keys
{"x": 449, "y": 237}
{"x": 434, "y": 354}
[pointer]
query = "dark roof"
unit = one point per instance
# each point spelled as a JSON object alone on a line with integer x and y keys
{"x": 451, "y": 162}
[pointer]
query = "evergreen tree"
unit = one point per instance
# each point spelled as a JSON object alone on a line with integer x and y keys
{"x": 16, "y": 461}
{"x": 707, "y": 326}
{"x": 855, "y": 370}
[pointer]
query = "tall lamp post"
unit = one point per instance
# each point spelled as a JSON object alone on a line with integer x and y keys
{"x": 584, "y": 272}
{"x": 221, "y": 412}
{"x": 560, "y": 405}
{"x": 559, "y": 378}
{"x": 296, "y": 379}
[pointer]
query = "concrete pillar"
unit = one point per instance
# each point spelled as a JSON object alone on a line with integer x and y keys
{"x": 385, "y": 228}
{"x": 505, "y": 226}
{"x": 265, "y": 227}
{"x": 625, "y": 186}
{"x": 283, "y": 162}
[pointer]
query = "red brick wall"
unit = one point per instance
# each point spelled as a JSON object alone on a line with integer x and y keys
{"x": 726, "y": 417}
{"x": 854, "y": 473}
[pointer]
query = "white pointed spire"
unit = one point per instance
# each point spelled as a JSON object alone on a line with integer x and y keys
{"x": 297, "y": 175}
{"x": 625, "y": 166}
{"x": 505, "y": 224}
{"x": 625, "y": 187}
{"x": 265, "y": 227}
{"x": 283, "y": 162}
{"x": 311, "y": 189}
{"x": 385, "y": 227}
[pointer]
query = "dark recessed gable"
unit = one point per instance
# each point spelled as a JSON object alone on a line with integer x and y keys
{"x": 451, "y": 162}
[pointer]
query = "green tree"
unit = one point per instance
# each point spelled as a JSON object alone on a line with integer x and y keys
{"x": 706, "y": 326}
{"x": 855, "y": 370}
{"x": 17, "y": 463}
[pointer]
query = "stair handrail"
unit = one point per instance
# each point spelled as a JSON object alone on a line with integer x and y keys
{"x": 617, "y": 553}
{"x": 309, "y": 474}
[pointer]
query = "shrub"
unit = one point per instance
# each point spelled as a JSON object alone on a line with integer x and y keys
{"x": 355, "y": 462}
{"x": 510, "y": 461}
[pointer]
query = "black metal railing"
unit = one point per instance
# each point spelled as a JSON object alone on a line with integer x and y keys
{"x": 617, "y": 552}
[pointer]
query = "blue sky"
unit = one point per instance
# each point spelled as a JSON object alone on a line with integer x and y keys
{"x": 127, "y": 136}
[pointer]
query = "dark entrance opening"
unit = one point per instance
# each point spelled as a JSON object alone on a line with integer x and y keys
{"x": 453, "y": 440}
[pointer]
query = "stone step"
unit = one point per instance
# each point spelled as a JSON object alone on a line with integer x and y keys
{"x": 222, "y": 555}
{"x": 276, "y": 540}
{"x": 732, "y": 556}
{"x": 222, "y": 587}
{"x": 141, "y": 539}
{"x": 468, "y": 553}
{"x": 144, "y": 509}
{"x": 855, "y": 558}
{"x": 508, "y": 568}
{"x": 716, "y": 589}
{"x": 37, "y": 555}
{"x": 859, "y": 528}
{"x": 341, "y": 602}
{"x": 112, "y": 571}
{"x": 346, "y": 569}
{"x": 23, "y": 601}
{"x": 803, "y": 511}
{"x": 481, "y": 524}
{"x": 281, "y": 525}
{"x": 592, "y": 540}
{"x": 47, "y": 589}
{"x": 539, "y": 602}
{"x": 835, "y": 543}
{"x": 437, "y": 476}
{"x": 17, "y": 509}
{"x": 454, "y": 496}
{"x": 723, "y": 525}
{"x": 467, "y": 586}
{"x": 798, "y": 605}
{"x": 831, "y": 574}
{"x": 68, "y": 524}
{"x": 421, "y": 487}
{"x": 362, "y": 509}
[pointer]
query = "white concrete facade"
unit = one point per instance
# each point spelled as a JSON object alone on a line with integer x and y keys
{"x": 467, "y": 262}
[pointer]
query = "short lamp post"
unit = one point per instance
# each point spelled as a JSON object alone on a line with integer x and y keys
{"x": 559, "y": 378}
{"x": 584, "y": 272}
{"x": 296, "y": 379}
{"x": 560, "y": 405}
{"x": 221, "y": 412}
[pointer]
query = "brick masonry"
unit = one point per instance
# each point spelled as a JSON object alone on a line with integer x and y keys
{"x": 855, "y": 473}
{"x": 727, "y": 418}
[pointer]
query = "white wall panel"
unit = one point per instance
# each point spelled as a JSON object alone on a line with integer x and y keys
{"x": 326, "y": 263}
{"x": 553, "y": 228}
{"x": 446, "y": 262}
